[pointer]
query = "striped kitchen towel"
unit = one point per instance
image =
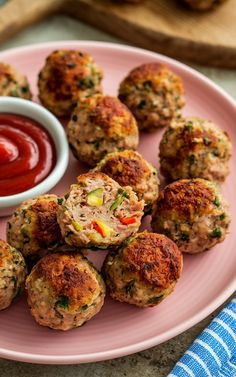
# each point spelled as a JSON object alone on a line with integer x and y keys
{"x": 213, "y": 353}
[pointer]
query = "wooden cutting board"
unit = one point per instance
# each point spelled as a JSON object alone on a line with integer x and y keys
{"x": 164, "y": 26}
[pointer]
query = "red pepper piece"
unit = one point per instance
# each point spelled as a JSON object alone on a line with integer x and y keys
{"x": 127, "y": 220}
{"x": 98, "y": 228}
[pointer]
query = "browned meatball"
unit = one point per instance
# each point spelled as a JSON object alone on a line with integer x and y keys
{"x": 203, "y": 4}
{"x": 12, "y": 274}
{"x": 144, "y": 271}
{"x": 33, "y": 228}
{"x": 13, "y": 83}
{"x": 129, "y": 168}
{"x": 193, "y": 213}
{"x": 67, "y": 76}
{"x": 195, "y": 148}
{"x": 99, "y": 125}
{"x": 64, "y": 291}
{"x": 154, "y": 94}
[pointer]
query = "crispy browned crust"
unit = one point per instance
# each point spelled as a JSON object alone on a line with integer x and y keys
{"x": 93, "y": 175}
{"x": 154, "y": 258}
{"x": 186, "y": 198}
{"x": 66, "y": 69}
{"x": 108, "y": 111}
{"x": 126, "y": 168}
{"x": 5, "y": 252}
{"x": 154, "y": 72}
{"x": 67, "y": 276}
{"x": 145, "y": 71}
{"x": 46, "y": 230}
{"x": 9, "y": 76}
{"x": 5, "y": 70}
{"x": 64, "y": 75}
{"x": 191, "y": 142}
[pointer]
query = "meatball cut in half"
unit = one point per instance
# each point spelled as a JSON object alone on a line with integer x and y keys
{"x": 12, "y": 274}
{"x": 13, "y": 83}
{"x": 67, "y": 76}
{"x": 144, "y": 271}
{"x": 154, "y": 94}
{"x": 130, "y": 168}
{"x": 203, "y": 4}
{"x": 195, "y": 148}
{"x": 193, "y": 213}
{"x": 98, "y": 212}
{"x": 64, "y": 291}
{"x": 33, "y": 228}
{"x": 99, "y": 125}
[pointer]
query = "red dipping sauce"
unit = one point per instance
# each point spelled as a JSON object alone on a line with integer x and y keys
{"x": 27, "y": 153}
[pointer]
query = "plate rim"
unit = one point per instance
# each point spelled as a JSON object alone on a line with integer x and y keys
{"x": 176, "y": 330}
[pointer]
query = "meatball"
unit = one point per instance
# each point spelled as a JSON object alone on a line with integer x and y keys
{"x": 145, "y": 271}
{"x": 64, "y": 291}
{"x": 195, "y": 148}
{"x": 99, "y": 125}
{"x": 203, "y": 4}
{"x": 193, "y": 213}
{"x": 67, "y": 76}
{"x": 33, "y": 228}
{"x": 13, "y": 83}
{"x": 97, "y": 212}
{"x": 12, "y": 274}
{"x": 129, "y": 168}
{"x": 154, "y": 94}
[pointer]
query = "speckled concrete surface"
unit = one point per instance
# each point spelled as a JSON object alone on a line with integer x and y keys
{"x": 157, "y": 361}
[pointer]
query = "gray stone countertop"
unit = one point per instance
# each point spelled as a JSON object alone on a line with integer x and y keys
{"x": 159, "y": 360}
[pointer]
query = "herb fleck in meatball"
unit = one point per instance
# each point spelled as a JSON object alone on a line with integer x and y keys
{"x": 154, "y": 94}
{"x": 97, "y": 212}
{"x": 129, "y": 168}
{"x": 195, "y": 148}
{"x": 193, "y": 213}
{"x": 203, "y": 4}
{"x": 99, "y": 125}
{"x": 64, "y": 291}
{"x": 13, "y": 83}
{"x": 33, "y": 228}
{"x": 145, "y": 271}
{"x": 12, "y": 274}
{"x": 67, "y": 76}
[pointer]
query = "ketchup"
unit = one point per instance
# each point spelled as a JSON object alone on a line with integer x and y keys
{"x": 27, "y": 154}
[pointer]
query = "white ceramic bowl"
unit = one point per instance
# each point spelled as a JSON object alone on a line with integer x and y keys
{"x": 54, "y": 127}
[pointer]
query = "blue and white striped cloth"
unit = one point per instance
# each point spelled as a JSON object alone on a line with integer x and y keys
{"x": 213, "y": 353}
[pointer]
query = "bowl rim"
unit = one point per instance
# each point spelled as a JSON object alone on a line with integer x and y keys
{"x": 48, "y": 121}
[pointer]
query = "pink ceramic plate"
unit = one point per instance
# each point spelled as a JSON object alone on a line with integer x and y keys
{"x": 208, "y": 279}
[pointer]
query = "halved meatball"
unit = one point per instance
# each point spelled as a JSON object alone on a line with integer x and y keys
{"x": 99, "y": 125}
{"x": 12, "y": 274}
{"x": 98, "y": 212}
{"x": 64, "y": 291}
{"x": 129, "y": 168}
{"x": 33, "y": 228}
{"x": 193, "y": 213}
{"x": 195, "y": 148}
{"x": 203, "y": 4}
{"x": 13, "y": 83}
{"x": 67, "y": 76}
{"x": 154, "y": 94}
{"x": 144, "y": 271}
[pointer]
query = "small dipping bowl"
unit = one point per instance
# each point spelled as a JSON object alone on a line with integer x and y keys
{"x": 49, "y": 122}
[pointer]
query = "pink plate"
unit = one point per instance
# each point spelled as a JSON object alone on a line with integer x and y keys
{"x": 208, "y": 279}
